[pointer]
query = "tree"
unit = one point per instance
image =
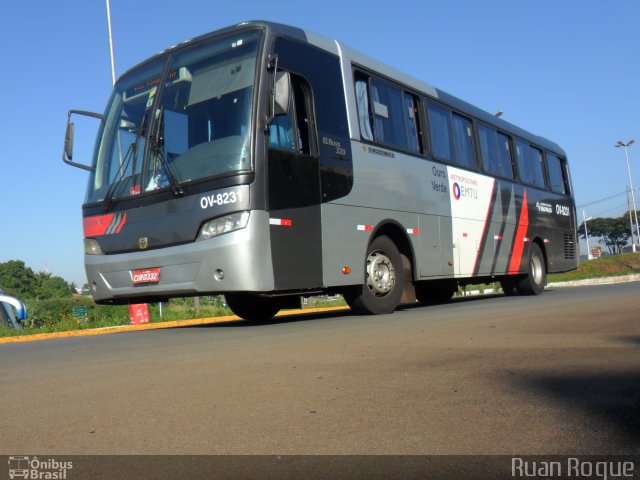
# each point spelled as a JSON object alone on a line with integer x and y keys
{"x": 21, "y": 281}
{"x": 17, "y": 279}
{"x": 613, "y": 232}
{"x": 53, "y": 287}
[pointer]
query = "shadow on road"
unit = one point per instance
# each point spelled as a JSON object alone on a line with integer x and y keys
{"x": 631, "y": 340}
{"x": 612, "y": 398}
{"x": 295, "y": 318}
{"x": 453, "y": 301}
{"x": 275, "y": 321}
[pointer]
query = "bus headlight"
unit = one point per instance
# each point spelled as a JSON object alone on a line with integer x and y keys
{"x": 226, "y": 224}
{"x": 92, "y": 247}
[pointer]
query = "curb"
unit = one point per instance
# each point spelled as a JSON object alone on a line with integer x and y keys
{"x": 596, "y": 281}
{"x": 573, "y": 283}
{"x": 154, "y": 326}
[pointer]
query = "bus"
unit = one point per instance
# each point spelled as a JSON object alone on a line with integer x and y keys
{"x": 268, "y": 163}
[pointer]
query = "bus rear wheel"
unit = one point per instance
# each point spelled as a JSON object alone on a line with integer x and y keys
{"x": 384, "y": 280}
{"x": 252, "y": 307}
{"x": 536, "y": 278}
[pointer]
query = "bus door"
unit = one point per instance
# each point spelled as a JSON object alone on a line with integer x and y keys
{"x": 294, "y": 193}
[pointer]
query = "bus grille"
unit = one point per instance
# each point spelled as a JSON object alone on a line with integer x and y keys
{"x": 569, "y": 246}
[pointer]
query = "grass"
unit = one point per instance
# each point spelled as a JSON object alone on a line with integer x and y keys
{"x": 611, "y": 266}
{"x": 56, "y": 315}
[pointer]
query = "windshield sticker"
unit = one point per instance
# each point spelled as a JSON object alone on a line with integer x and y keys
{"x": 152, "y": 93}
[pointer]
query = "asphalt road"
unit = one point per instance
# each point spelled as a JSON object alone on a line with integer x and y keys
{"x": 559, "y": 373}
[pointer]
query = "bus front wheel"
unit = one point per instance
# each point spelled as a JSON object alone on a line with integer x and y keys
{"x": 534, "y": 281}
{"x": 252, "y": 307}
{"x": 383, "y": 283}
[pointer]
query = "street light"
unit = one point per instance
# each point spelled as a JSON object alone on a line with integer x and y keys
{"x": 113, "y": 66}
{"x": 633, "y": 197}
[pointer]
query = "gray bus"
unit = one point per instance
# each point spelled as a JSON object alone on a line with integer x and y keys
{"x": 266, "y": 163}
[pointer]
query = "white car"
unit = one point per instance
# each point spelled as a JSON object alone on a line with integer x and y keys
{"x": 12, "y": 311}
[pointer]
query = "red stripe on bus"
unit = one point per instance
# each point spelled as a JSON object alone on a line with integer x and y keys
{"x": 98, "y": 225}
{"x": 521, "y": 236}
{"x": 122, "y": 222}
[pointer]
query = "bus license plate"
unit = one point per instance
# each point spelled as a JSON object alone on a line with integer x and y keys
{"x": 147, "y": 275}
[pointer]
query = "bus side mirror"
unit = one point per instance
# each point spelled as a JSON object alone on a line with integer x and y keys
{"x": 67, "y": 152}
{"x": 282, "y": 94}
{"x": 68, "y": 141}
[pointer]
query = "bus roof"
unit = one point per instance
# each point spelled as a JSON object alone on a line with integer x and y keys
{"x": 338, "y": 48}
{"x": 375, "y": 66}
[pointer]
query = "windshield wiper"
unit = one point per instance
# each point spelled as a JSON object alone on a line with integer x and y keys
{"x": 157, "y": 148}
{"x": 132, "y": 152}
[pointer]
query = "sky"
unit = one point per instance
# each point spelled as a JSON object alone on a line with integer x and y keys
{"x": 568, "y": 70}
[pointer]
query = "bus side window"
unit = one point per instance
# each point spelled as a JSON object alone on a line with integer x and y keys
{"x": 556, "y": 174}
{"x": 390, "y": 119}
{"x": 364, "y": 116}
{"x": 440, "y": 132}
{"x": 530, "y": 167}
{"x": 504, "y": 154}
{"x": 495, "y": 152}
{"x": 536, "y": 160}
{"x": 463, "y": 141}
{"x": 413, "y": 123}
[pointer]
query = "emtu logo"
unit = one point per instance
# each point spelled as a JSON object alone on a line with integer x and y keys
{"x": 466, "y": 192}
{"x": 456, "y": 191}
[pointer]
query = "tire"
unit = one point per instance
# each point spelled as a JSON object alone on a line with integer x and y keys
{"x": 433, "y": 293}
{"x": 536, "y": 278}
{"x": 383, "y": 282}
{"x": 252, "y": 307}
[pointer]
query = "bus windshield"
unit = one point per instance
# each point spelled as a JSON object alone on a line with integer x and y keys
{"x": 181, "y": 118}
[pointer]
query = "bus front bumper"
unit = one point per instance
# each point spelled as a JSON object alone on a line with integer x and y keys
{"x": 235, "y": 261}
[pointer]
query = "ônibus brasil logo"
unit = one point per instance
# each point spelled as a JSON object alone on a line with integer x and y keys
{"x": 34, "y": 468}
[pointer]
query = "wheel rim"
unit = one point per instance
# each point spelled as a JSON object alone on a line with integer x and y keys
{"x": 536, "y": 269}
{"x": 381, "y": 275}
